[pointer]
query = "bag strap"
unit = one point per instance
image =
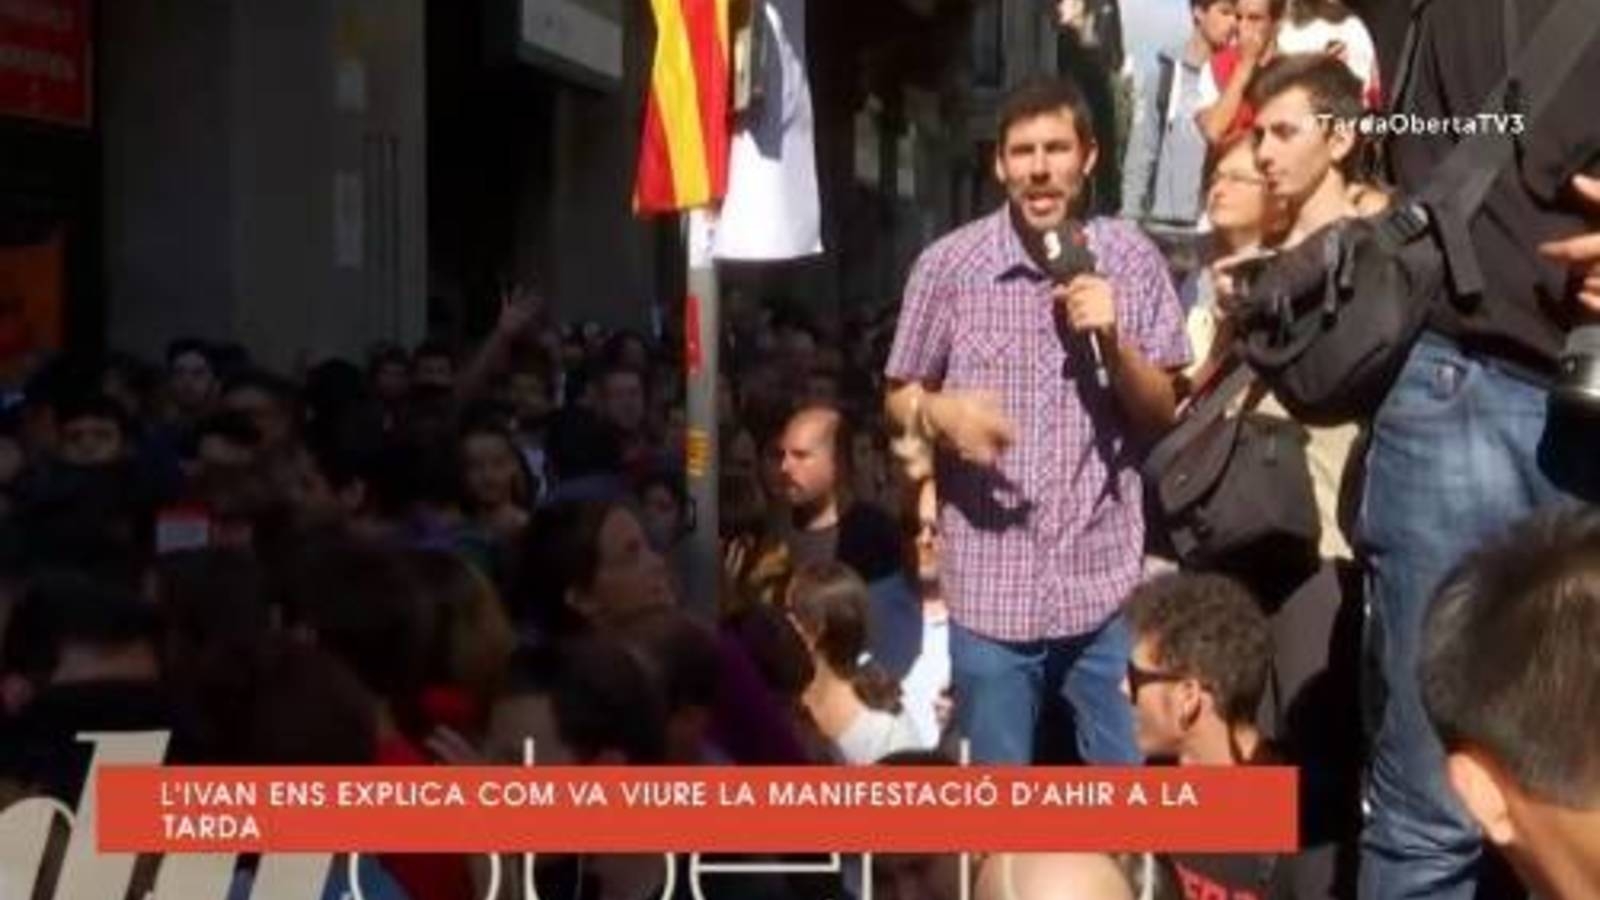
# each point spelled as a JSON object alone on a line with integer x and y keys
{"x": 1399, "y": 90}
{"x": 1533, "y": 76}
{"x": 1208, "y": 409}
{"x": 1166, "y": 77}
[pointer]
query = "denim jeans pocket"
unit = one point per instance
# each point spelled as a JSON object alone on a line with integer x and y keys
{"x": 1435, "y": 381}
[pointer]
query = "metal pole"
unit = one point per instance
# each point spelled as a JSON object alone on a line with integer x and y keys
{"x": 701, "y": 327}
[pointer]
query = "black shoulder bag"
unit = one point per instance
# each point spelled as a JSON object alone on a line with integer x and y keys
{"x": 1329, "y": 324}
{"x": 1233, "y": 490}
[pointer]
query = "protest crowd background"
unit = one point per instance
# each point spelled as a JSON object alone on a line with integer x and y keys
{"x": 431, "y": 554}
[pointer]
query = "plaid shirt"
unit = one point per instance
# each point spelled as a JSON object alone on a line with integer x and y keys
{"x": 1049, "y": 543}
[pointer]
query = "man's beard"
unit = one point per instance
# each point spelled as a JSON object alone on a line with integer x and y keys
{"x": 807, "y": 512}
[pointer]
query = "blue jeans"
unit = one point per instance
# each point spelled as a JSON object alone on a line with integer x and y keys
{"x": 1000, "y": 688}
{"x": 1460, "y": 451}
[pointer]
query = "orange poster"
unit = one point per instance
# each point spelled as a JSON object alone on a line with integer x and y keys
{"x": 32, "y": 294}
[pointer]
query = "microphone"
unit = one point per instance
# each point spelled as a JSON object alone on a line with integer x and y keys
{"x": 1066, "y": 255}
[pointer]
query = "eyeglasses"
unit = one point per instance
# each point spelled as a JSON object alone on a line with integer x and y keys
{"x": 1239, "y": 178}
{"x": 1138, "y": 678}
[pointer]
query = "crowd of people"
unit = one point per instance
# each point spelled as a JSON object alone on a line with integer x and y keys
{"x": 936, "y": 536}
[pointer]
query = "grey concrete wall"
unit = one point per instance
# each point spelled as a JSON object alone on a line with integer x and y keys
{"x": 594, "y": 253}
{"x": 224, "y": 139}
{"x": 166, "y": 113}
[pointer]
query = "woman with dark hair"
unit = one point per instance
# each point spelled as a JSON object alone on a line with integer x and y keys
{"x": 664, "y": 507}
{"x": 850, "y": 698}
{"x": 588, "y": 567}
{"x": 496, "y": 486}
{"x": 584, "y": 564}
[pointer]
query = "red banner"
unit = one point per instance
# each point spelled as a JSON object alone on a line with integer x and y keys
{"x": 46, "y": 61}
{"x": 756, "y": 810}
{"x": 693, "y": 358}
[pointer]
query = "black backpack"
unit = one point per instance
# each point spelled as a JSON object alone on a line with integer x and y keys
{"x": 1329, "y": 323}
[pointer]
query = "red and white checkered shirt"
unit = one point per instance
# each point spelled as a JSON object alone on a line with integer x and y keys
{"x": 1049, "y": 543}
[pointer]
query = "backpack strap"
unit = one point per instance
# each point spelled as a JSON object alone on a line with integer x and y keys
{"x": 1408, "y": 52}
{"x": 1534, "y": 75}
{"x": 1208, "y": 409}
{"x": 1166, "y": 78}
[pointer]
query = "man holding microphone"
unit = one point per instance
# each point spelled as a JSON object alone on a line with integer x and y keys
{"x": 1038, "y": 397}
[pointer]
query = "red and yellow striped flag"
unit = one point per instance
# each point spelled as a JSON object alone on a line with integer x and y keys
{"x": 683, "y": 158}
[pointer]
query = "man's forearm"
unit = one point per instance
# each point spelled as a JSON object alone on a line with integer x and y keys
{"x": 486, "y": 364}
{"x": 906, "y": 405}
{"x": 1145, "y": 392}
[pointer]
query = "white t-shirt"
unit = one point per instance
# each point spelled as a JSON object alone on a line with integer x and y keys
{"x": 1317, "y": 35}
{"x": 928, "y": 677}
{"x": 875, "y": 734}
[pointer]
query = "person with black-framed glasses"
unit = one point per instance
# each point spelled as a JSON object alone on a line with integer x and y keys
{"x": 1202, "y": 652}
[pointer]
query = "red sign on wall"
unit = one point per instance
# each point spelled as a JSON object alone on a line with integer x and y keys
{"x": 46, "y": 61}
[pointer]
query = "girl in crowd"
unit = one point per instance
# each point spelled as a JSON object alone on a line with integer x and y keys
{"x": 588, "y": 567}
{"x": 853, "y": 703}
{"x": 927, "y": 685}
{"x": 496, "y": 485}
{"x": 584, "y": 565}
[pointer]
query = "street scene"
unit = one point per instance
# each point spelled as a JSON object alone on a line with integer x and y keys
{"x": 798, "y": 383}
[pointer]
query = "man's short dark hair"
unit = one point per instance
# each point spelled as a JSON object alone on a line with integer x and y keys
{"x": 184, "y": 346}
{"x": 1042, "y": 95}
{"x": 613, "y": 369}
{"x": 273, "y": 385}
{"x": 580, "y": 443}
{"x": 346, "y": 450}
{"x": 228, "y": 425}
{"x": 1508, "y": 660}
{"x": 1331, "y": 88}
{"x": 389, "y": 355}
{"x": 433, "y": 350}
{"x": 1209, "y": 628}
{"x": 1276, "y": 8}
{"x": 94, "y": 406}
{"x": 362, "y": 605}
{"x": 63, "y": 608}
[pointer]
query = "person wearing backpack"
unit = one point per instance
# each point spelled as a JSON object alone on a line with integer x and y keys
{"x": 1466, "y": 440}
{"x": 1166, "y": 152}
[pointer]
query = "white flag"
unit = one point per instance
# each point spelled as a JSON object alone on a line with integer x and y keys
{"x": 772, "y": 210}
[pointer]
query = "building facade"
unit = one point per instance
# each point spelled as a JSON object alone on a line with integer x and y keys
{"x": 311, "y": 177}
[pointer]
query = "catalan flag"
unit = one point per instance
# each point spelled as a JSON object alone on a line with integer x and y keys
{"x": 683, "y": 158}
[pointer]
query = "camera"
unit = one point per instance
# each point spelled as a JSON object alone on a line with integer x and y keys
{"x": 1578, "y": 380}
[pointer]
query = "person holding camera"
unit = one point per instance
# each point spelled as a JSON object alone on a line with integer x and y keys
{"x": 1312, "y": 706}
{"x": 1468, "y": 438}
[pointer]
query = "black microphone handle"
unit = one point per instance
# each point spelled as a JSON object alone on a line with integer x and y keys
{"x": 1102, "y": 375}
